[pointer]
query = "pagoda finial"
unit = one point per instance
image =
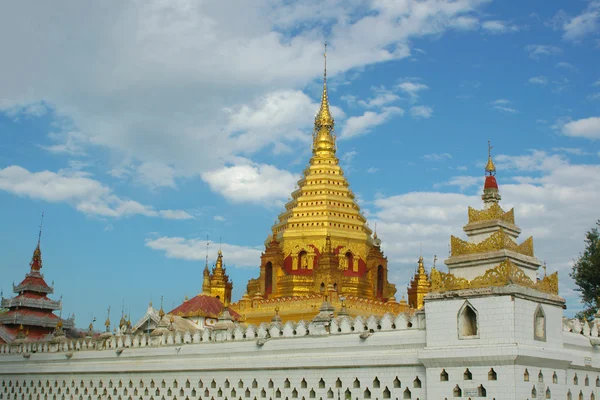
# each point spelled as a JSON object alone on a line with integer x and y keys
{"x": 107, "y": 322}
{"x": 161, "y": 312}
{"x": 36, "y": 259}
{"x": 207, "y": 244}
{"x": 421, "y": 269}
{"x": 219, "y": 264}
{"x": 40, "y": 234}
{"x": 324, "y": 141}
{"x": 490, "y": 168}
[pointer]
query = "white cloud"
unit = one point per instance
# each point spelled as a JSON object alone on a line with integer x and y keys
{"x": 254, "y": 183}
{"x": 412, "y": 89}
{"x": 538, "y": 80}
{"x": 372, "y": 170}
{"x": 363, "y": 124}
{"x": 421, "y": 112}
{"x": 566, "y": 65}
{"x": 185, "y": 74}
{"x": 588, "y": 128}
{"x": 175, "y": 214}
{"x": 597, "y": 83}
{"x": 33, "y": 109}
{"x": 576, "y": 151}
{"x": 537, "y": 50}
{"x": 503, "y": 105}
{"x": 437, "y": 157}
{"x": 380, "y": 100}
{"x": 279, "y": 117}
{"x": 195, "y": 250}
{"x": 463, "y": 182}
{"x": 578, "y": 27}
{"x": 594, "y": 96}
{"x": 465, "y": 23}
{"x": 156, "y": 174}
{"x": 348, "y": 156}
{"x": 219, "y": 218}
{"x": 509, "y": 110}
{"x": 498, "y": 27}
{"x": 85, "y": 194}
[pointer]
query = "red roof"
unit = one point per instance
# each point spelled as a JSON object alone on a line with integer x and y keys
{"x": 490, "y": 182}
{"x": 33, "y": 313}
{"x": 202, "y": 306}
{"x": 34, "y": 280}
{"x": 33, "y": 333}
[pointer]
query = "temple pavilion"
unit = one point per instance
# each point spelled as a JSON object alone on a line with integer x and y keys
{"x": 30, "y": 313}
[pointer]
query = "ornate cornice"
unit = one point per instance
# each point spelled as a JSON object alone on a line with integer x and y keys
{"x": 504, "y": 274}
{"x": 494, "y": 212}
{"x": 497, "y": 241}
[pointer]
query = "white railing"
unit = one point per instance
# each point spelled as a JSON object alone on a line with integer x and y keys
{"x": 24, "y": 319}
{"x": 31, "y": 303}
{"x": 261, "y": 333}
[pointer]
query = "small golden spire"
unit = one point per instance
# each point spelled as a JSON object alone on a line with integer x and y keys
{"x": 107, "y": 322}
{"x": 490, "y": 168}
{"x": 421, "y": 266}
{"x": 161, "y": 312}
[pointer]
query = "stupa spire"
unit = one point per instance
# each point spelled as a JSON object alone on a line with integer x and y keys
{"x": 490, "y": 168}
{"x": 491, "y": 194}
{"x": 36, "y": 259}
{"x": 324, "y": 140}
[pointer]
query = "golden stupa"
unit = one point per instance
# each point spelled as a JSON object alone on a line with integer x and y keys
{"x": 321, "y": 247}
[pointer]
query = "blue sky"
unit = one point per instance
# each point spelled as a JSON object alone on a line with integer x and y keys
{"x": 139, "y": 128}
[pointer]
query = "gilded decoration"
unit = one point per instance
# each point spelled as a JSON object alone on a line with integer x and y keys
{"x": 495, "y": 212}
{"x": 504, "y": 274}
{"x": 497, "y": 241}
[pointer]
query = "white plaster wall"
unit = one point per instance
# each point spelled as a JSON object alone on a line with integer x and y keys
{"x": 524, "y": 323}
{"x": 495, "y": 316}
{"x": 501, "y": 388}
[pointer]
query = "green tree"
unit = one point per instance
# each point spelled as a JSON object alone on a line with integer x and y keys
{"x": 586, "y": 273}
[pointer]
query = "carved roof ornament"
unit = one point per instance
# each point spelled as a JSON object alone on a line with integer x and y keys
{"x": 497, "y": 241}
{"x": 506, "y": 273}
{"x": 493, "y": 213}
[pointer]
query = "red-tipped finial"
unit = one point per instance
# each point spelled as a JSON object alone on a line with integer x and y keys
{"x": 36, "y": 260}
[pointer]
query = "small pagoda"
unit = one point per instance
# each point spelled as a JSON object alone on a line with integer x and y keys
{"x": 30, "y": 315}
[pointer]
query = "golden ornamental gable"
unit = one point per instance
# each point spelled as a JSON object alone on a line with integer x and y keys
{"x": 506, "y": 273}
{"x": 493, "y": 213}
{"x": 497, "y": 241}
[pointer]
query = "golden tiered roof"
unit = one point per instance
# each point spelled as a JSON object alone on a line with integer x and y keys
{"x": 323, "y": 203}
{"x": 320, "y": 244}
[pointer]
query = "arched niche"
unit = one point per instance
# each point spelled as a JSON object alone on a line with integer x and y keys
{"x": 539, "y": 324}
{"x": 468, "y": 322}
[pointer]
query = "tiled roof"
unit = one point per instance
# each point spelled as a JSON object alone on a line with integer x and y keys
{"x": 34, "y": 280}
{"x": 202, "y": 306}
